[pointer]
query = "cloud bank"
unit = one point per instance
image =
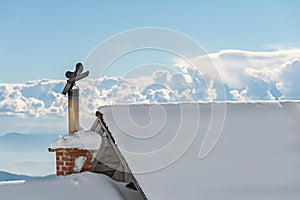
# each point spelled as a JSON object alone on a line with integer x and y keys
{"x": 40, "y": 98}
{"x": 245, "y": 75}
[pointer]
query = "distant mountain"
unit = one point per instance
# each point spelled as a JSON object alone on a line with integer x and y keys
{"x": 5, "y": 176}
{"x": 27, "y": 154}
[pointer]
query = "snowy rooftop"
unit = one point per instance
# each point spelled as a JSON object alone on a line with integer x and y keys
{"x": 85, "y": 140}
{"x": 254, "y": 149}
{"x": 76, "y": 186}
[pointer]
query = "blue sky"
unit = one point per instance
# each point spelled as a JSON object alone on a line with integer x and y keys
{"x": 41, "y": 39}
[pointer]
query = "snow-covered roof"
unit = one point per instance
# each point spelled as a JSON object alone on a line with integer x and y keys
{"x": 255, "y": 150}
{"x": 85, "y": 185}
{"x": 83, "y": 139}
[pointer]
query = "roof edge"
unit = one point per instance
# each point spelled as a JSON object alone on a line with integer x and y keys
{"x": 278, "y": 102}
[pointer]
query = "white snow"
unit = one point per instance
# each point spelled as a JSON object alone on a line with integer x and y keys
{"x": 83, "y": 139}
{"x": 85, "y": 185}
{"x": 257, "y": 155}
{"x": 12, "y": 182}
{"x": 79, "y": 162}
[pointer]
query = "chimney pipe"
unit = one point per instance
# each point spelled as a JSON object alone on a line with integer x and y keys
{"x": 73, "y": 110}
{"x": 73, "y": 96}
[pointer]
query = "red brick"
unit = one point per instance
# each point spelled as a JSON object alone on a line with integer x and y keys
{"x": 88, "y": 163}
{"x": 86, "y": 168}
{"x": 59, "y": 163}
{"x": 59, "y": 153}
{"x": 66, "y": 159}
{"x": 68, "y": 153}
{"x": 89, "y": 158}
{"x": 69, "y": 163}
{"x": 76, "y": 154}
{"x": 58, "y": 157}
{"x": 60, "y": 173}
{"x": 64, "y": 168}
{"x": 69, "y": 172}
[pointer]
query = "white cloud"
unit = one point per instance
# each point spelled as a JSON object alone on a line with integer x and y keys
{"x": 211, "y": 92}
{"x": 35, "y": 98}
{"x": 239, "y": 96}
{"x": 245, "y": 75}
{"x": 289, "y": 80}
{"x": 231, "y": 64}
{"x": 260, "y": 75}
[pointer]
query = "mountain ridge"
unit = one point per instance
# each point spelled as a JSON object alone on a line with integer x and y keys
{"x": 26, "y": 154}
{"x": 6, "y": 176}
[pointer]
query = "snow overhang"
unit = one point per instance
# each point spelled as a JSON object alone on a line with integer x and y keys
{"x": 81, "y": 140}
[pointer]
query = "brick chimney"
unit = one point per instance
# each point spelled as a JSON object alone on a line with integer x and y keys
{"x": 69, "y": 161}
{"x": 74, "y": 151}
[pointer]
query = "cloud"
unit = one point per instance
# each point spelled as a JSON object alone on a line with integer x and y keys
{"x": 36, "y": 98}
{"x": 239, "y": 95}
{"x": 43, "y": 98}
{"x": 288, "y": 81}
{"x": 244, "y": 75}
{"x": 252, "y": 75}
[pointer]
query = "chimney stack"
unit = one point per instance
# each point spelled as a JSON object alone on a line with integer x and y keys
{"x": 69, "y": 158}
{"x": 73, "y": 96}
{"x": 73, "y": 110}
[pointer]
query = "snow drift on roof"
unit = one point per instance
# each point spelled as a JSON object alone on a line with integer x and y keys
{"x": 83, "y": 139}
{"x": 257, "y": 155}
{"x": 76, "y": 186}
